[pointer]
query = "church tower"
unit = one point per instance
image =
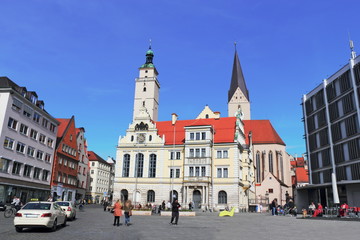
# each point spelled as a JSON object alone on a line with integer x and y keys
{"x": 147, "y": 88}
{"x": 238, "y": 95}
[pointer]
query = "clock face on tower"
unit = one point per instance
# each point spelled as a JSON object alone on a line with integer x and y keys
{"x": 141, "y": 138}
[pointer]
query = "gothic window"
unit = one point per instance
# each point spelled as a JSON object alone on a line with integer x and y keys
{"x": 126, "y": 165}
{"x": 142, "y": 126}
{"x": 258, "y": 169}
{"x": 271, "y": 166}
{"x": 222, "y": 197}
{"x": 152, "y": 167}
{"x": 150, "y": 196}
{"x": 139, "y": 167}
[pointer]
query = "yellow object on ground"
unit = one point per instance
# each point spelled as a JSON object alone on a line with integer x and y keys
{"x": 227, "y": 213}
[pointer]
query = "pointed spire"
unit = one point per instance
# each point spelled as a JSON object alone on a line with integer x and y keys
{"x": 237, "y": 79}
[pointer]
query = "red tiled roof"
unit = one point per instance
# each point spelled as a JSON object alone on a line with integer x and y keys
{"x": 301, "y": 175}
{"x": 262, "y": 132}
{"x": 64, "y": 122}
{"x": 94, "y": 157}
{"x": 224, "y": 129}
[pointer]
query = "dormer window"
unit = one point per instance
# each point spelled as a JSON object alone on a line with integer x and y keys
{"x": 33, "y": 99}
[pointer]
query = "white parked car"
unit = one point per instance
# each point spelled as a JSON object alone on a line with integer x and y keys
{"x": 40, "y": 214}
{"x": 69, "y": 209}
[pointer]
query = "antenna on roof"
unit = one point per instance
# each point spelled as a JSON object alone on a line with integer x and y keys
{"x": 351, "y": 43}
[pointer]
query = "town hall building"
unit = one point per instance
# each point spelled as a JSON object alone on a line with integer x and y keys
{"x": 212, "y": 161}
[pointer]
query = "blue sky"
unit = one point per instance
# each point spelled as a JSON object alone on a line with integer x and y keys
{"x": 82, "y": 56}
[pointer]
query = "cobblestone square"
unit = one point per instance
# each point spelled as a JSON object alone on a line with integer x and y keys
{"x": 94, "y": 223}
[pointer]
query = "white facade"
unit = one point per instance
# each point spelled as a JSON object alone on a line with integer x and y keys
{"x": 100, "y": 173}
{"x": 28, "y": 137}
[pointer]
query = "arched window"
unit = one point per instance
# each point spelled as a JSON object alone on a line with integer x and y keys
{"x": 207, "y": 116}
{"x": 258, "y": 168}
{"x": 271, "y": 165}
{"x": 139, "y": 167}
{"x": 132, "y": 138}
{"x": 126, "y": 165}
{"x": 144, "y": 89}
{"x": 152, "y": 166}
{"x": 124, "y": 195}
{"x": 222, "y": 197}
{"x": 173, "y": 195}
{"x": 150, "y": 138}
{"x": 151, "y": 196}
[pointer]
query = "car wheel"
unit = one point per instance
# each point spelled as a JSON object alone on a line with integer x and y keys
{"x": 53, "y": 228}
{"x": 64, "y": 224}
{"x": 18, "y": 229}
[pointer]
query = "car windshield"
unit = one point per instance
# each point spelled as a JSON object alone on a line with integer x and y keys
{"x": 63, "y": 203}
{"x": 41, "y": 206}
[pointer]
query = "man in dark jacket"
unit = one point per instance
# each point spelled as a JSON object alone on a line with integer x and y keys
{"x": 175, "y": 212}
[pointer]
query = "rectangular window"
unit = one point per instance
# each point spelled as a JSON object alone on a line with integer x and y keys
{"x": 36, "y": 117}
{"x": 225, "y": 172}
{"x": 16, "y": 168}
{"x": 197, "y": 152}
{"x": 225, "y": 154}
{"x": 45, "y": 175}
{"x": 172, "y": 155}
{"x": 50, "y": 142}
{"x": 197, "y": 171}
{"x": 20, "y": 147}
{"x": 177, "y": 155}
{"x": 203, "y": 171}
{"x": 36, "y": 173}
{"x": 219, "y": 172}
{"x": 171, "y": 173}
{"x": 23, "y": 129}
{"x": 203, "y": 152}
{"x": 39, "y": 154}
{"x": 45, "y": 122}
{"x": 197, "y": 136}
{"x": 203, "y": 136}
{"x": 191, "y": 171}
{"x": 30, "y": 151}
{"x": 27, "y": 111}
{"x": 12, "y": 123}
{"x": 191, "y": 152}
{"x": 4, "y": 165}
{"x": 47, "y": 157}
{"x": 191, "y": 136}
{"x": 33, "y": 134}
{"x": 177, "y": 173}
{"x": 42, "y": 139}
{"x": 52, "y": 127}
{"x": 8, "y": 143}
{"x": 218, "y": 154}
{"x": 27, "y": 170}
{"x": 92, "y": 171}
{"x": 16, "y": 105}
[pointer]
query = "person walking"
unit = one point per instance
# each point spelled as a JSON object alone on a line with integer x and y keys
{"x": 175, "y": 212}
{"x": 117, "y": 213}
{"x": 127, "y": 212}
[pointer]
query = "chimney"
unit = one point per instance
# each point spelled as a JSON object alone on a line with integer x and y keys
{"x": 174, "y": 117}
{"x": 217, "y": 115}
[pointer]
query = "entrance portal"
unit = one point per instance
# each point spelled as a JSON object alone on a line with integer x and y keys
{"x": 197, "y": 199}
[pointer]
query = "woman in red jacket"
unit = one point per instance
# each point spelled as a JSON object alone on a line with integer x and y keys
{"x": 318, "y": 211}
{"x": 117, "y": 212}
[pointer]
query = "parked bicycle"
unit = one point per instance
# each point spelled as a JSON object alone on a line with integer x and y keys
{"x": 10, "y": 211}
